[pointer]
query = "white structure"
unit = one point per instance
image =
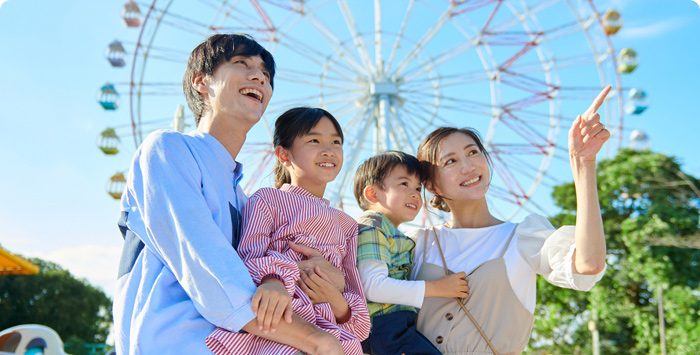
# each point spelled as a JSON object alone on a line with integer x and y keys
{"x": 30, "y": 339}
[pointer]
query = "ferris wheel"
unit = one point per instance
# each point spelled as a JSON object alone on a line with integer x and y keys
{"x": 391, "y": 71}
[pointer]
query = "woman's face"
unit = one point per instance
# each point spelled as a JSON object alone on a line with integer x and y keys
{"x": 462, "y": 171}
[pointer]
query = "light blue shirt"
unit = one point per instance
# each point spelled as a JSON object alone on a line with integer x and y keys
{"x": 180, "y": 275}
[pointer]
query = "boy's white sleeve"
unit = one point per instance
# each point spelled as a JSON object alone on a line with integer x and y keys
{"x": 165, "y": 186}
{"x": 380, "y": 288}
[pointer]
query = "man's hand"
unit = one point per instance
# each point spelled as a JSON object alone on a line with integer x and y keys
{"x": 270, "y": 302}
{"x": 452, "y": 286}
{"x": 314, "y": 258}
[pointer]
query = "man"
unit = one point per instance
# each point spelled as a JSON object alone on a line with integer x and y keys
{"x": 180, "y": 276}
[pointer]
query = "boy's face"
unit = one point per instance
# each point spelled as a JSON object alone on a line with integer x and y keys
{"x": 399, "y": 200}
{"x": 241, "y": 88}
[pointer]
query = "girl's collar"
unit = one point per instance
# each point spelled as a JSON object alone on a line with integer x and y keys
{"x": 302, "y": 192}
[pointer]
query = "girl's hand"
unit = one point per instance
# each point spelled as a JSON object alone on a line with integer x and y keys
{"x": 270, "y": 302}
{"x": 315, "y": 259}
{"x": 452, "y": 286}
{"x": 318, "y": 286}
{"x": 587, "y": 134}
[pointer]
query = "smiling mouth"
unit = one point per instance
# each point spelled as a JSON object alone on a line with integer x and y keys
{"x": 256, "y": 94}
{"x": 470, "y": 182}
{"x": 412, "y": 206}
{"x": 326, "y": 165}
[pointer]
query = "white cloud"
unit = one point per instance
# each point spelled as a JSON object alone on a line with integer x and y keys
{"x": 2, "y": 2}
{"x": 96, "y": 263}
{"x": 655, "y": 29}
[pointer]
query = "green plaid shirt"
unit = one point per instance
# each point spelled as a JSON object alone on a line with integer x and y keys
{"x": 379, "y": 239}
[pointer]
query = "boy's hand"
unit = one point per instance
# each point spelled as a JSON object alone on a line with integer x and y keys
{"x": 314, "y": 258}
{"x": 452, "y": 286}
{"x": 270, "y": 302}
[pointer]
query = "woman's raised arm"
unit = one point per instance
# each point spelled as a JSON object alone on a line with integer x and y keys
{"x": 586, "y": 136}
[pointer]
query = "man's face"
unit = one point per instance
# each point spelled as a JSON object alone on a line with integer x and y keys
{"x": 239, "y": 88}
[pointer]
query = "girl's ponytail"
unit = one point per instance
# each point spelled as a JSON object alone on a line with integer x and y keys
{"x": 281, "y": 175}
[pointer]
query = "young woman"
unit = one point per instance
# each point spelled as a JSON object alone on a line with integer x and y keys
{"x": 309, "y": 147}
{"x": 502, "y": 259}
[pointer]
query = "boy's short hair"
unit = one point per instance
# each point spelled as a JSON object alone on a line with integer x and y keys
{"x": 374, "y": 170}
{"x": 211, "y": 53}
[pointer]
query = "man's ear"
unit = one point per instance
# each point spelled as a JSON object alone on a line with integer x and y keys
{"x": 370, "y": 194}
{"x": 199, "y": 83}
{"x": 282, "y": 156}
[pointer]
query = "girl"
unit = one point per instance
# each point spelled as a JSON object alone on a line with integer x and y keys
{"x": 309, "y": 148}
{"x": 502, "y": 259}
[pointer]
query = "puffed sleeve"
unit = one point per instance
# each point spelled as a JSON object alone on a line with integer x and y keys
{"x": 550, "y": 253}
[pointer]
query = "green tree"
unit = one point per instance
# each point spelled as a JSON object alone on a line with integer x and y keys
{"x": 55, "y": 298}
{"x": 651, "y": 212}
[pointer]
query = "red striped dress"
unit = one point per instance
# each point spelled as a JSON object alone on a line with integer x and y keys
{"x": 273, "y": 217}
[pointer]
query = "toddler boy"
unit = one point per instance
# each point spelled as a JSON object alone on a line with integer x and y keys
{"x": 387, "y": 187}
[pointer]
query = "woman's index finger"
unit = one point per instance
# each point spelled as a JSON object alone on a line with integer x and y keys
{"x": 597, "y": 102}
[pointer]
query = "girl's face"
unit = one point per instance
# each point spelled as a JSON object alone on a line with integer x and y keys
{"x": 462, "y": 171}
{"x": 315, "y": 158}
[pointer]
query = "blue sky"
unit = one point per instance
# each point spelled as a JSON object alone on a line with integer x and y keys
{"x": 52, "y": 177}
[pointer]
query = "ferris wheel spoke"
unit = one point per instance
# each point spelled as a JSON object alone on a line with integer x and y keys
{"x": 416, "y": 119}
{"x": 427, "y": 37}
{"x": 404, "y": 140}
{"x": 379, "y": 60}
{"x": 338, "y": 47}
{"x": 565, "y": 30}
{"x": 510, "y": 182}
{"x": 528, "y": 83}
{"x": 553, "y": 64}
{"x": 344, "y": 110}
{"x": 314, "y": 56}
{"x": 247, "y": 20}
{"x": 422, "y": 85}
{"x": 295, "y": 74}
{"x": 504, "y": 194}
{"x": 527, "y": 133}
{"x": 355, "y": 119}
{"x": 354, "y": 152}
{"x": 337, "y": 101}
{"x": 518, "y": 16}
{"x": 356, "y": 37}
{"x": 179, "y": 22}
{"x": 420, "y": 111}
{"x": 298, "y": 80}
{"x": 285, "y": 5}
{"x": 439, "y": 59}
{"x": 268, "y": 156}
{"x": 399, "y": 36}
{"x": 458, "y": 100}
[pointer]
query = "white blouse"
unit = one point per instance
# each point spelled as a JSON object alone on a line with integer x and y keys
{"x": 536, "y": 248}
